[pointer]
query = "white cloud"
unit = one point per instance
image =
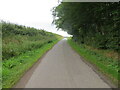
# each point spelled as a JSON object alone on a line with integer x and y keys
{"x": 34, "y": 13}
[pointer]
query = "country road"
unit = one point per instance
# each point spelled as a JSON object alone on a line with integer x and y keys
{"x": 61, "y": 67}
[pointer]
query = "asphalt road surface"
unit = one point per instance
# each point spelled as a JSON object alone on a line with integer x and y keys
{"x": 62, "y": 67}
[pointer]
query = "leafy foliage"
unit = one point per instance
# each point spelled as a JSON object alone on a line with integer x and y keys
{"x": 95, "y": 24}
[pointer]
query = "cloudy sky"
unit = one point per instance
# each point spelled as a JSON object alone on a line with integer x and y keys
{"x": 34, "y": 13}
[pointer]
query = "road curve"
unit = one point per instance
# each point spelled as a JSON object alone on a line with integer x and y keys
{"x": 61, "y": 67}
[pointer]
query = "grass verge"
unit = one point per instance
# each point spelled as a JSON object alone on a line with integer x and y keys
{"x": 14, "y": 68}
{"x": 107, "y": 66}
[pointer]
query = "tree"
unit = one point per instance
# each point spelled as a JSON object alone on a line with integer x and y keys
{"x": 94, "y": 24}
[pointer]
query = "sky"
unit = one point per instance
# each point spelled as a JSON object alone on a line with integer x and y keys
{"x": 33, "y": 13}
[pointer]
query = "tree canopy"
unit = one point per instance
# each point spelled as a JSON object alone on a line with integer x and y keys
{"x": 95, "y": 23}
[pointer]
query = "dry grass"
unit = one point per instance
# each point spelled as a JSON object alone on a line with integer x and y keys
{"x": 108, "y": 53}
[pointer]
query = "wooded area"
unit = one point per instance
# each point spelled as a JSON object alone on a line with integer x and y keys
{"x": 95, "y": 24}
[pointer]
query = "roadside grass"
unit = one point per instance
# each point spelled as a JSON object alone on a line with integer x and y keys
{"x": 107, "y": 65}
{"x": 18, "y": 39}
{"x": 14, "y": 45}
{"x": 14, "y": 68}
{"x": 21, "y": 47}
{"x": 0, "y": 75}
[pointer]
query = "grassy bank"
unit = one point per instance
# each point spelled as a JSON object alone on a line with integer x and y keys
{"x": 21, "y": 47}
{"x": 105, "y": 64}
{"x": 17, "y": 39}
{"x": 14, "y": 68}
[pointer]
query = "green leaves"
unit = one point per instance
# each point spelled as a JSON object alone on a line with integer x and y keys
{"x": 94, "y": 23}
